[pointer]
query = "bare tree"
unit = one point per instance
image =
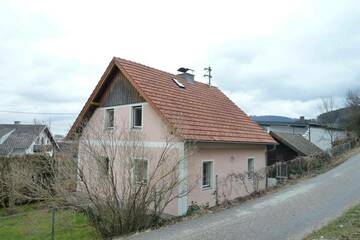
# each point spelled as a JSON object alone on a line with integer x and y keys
{"x": 353, "y": 103}
{"x": 328, "y": 117}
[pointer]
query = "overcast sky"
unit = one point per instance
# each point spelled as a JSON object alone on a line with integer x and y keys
{"x": 270, "y": 57}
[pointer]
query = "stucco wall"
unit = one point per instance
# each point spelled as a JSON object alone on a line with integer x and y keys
{"x": 227, "y": 159}
{"x": 321, "y": 137}
{"x": 154, "y": 128}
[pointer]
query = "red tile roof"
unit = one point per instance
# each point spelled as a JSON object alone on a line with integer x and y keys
{"x": 198, "y": 112}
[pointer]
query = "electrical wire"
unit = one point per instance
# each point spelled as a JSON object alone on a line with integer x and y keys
{"x": 39, "y": 113}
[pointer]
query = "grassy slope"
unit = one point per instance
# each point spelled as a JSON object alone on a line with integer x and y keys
{"x": 344, "y": 228}
{"x": 34, "y": 224}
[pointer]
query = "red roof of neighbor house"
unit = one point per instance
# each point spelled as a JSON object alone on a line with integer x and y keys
{"x": 198, "y": 112}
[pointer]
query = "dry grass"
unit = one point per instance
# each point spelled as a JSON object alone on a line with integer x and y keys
{"x": 346, "y": 227}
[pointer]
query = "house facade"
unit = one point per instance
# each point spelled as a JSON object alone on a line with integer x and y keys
{"x": 315, "y": 133}
{"x": 26, "y": 139}
{"x": 223, "y": 140}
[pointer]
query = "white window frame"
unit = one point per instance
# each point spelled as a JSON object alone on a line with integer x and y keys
{"x": 250, "y": 176}
{"x": 205, "y": 188}
{"x": 106, "y": 118}
{"x": 147, "y": 170}
{"x": 132, "y": 116}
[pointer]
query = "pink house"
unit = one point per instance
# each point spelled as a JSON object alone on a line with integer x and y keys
{"x": 152, "y": 101}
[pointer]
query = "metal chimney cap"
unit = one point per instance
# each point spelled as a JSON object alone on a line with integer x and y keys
{"x": 184, "y": 70}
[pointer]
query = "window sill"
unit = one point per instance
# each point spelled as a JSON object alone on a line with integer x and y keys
{"x": 204, "y": 189}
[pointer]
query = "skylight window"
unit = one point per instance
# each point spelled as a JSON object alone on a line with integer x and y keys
{"x": 178, "y": 83}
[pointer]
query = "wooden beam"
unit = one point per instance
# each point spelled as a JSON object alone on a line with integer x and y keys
{"x": 95, "y": 104}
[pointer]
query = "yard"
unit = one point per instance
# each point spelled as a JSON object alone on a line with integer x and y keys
{"x": 347, "y": 227}
{"x": 30, "y": 222}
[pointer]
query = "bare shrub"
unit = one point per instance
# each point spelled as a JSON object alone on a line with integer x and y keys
{"x": 123, "y": 185}
{"x": 128, "y": 184}
{"x": 237, "y": 183}
{"x": 25, "y": 179}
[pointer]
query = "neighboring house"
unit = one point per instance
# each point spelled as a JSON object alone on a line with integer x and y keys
{"x": 314, "y": 132}
{"x": 290, "y": 146}
{"x": 152, "y": 101}
{"x": 22, "y": 139}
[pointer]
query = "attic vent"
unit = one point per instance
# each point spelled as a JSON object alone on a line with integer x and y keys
{"x": 178, "y": 83}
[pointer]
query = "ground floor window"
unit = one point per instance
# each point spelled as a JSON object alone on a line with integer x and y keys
{"x": 141, "y": 170}
{"x": 104, "y": 166}
{"x": 207, "y": 174}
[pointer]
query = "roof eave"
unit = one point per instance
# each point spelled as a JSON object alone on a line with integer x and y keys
{"x": 232, "y": 142}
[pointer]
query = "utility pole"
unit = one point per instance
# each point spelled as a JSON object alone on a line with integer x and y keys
{"x": 208, "y": 74}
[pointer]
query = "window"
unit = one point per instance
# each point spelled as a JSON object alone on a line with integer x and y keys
{"x": 140, "y": 170}
{"x": 109, "y": 118}
{"x": 178, "y": 83}
{"x": 104, "y": 166}
{"x": 251, "y": 167}
{"x": 137, "y": 117}
{"x": 207, "y": 174}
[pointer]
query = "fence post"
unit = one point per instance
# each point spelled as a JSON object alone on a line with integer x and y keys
{"x": 53, "y": 210}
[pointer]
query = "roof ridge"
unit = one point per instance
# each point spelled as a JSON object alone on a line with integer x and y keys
{"x": 159, "y": 70}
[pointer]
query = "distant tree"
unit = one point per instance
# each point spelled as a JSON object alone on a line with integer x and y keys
{"x": 353, "y": 103}
{"x": 328, "y": 118}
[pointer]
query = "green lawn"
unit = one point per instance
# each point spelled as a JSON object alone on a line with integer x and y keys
{"x": 34, "y": 223}
{"x": 347, "y": 227}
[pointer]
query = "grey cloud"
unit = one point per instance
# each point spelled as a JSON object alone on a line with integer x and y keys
{"x": 311, "y": 63}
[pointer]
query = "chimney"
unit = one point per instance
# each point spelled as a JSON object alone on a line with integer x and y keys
{"x": 186, "y": 75}
{"x": 17, "y": 122}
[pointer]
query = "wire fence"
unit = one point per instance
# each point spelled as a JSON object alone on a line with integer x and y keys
{"x": 32, "y": 222}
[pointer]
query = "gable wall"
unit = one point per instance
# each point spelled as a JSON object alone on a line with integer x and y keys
{"x": 120, "y": 92}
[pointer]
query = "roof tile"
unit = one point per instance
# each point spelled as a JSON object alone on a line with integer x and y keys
{"x": 199, "y": 112}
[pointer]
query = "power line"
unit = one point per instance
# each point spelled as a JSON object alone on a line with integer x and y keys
{"x": 40, "y": 113}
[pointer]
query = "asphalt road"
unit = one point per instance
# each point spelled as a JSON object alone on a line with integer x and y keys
{"x": 289, "y": 214}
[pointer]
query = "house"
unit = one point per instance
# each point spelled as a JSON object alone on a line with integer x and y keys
{"x": 316, "y": 133}
{"x": 22, "y": 139}
{"x": 154, "y": 102}
{"x": 290, "y": 146}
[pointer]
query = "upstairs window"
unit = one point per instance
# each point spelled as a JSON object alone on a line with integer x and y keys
{"x": 251, "y": 167}
{"x": 141, "y": 170}
{"x": 137, "y": 117}
{"x": 207, "y": 174}
{"x": 109, "y": 118}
